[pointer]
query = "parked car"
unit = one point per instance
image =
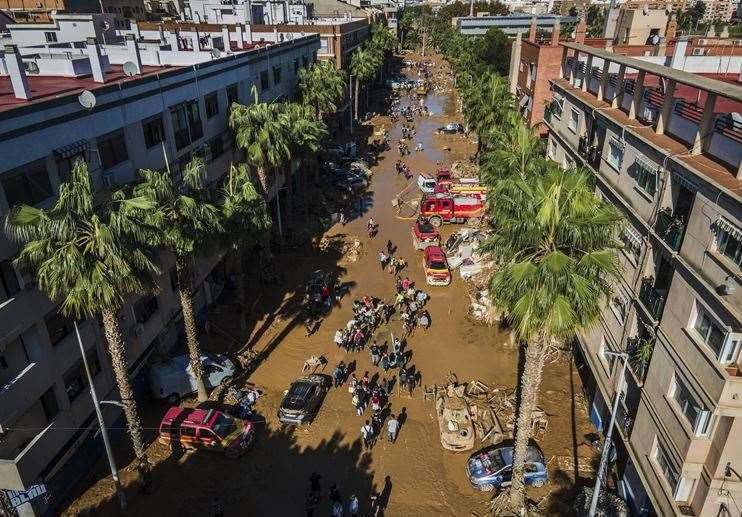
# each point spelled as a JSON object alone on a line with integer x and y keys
{"x": 451, "y": 128}
{"x": 424, "y": 234}
{"x": 302, "y": 400}
{"x": 454, "y": 421}
{"x": 172, "y": 379}
{"x": 492, "y": 467}
{"x": 206, "y": 429}
{"x": 436, "y": 267}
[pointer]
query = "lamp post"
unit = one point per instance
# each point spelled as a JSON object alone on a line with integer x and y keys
{"x": 609, "y": 434}
{"x": 350, "y": 100}
{"x": 103, "y": 431}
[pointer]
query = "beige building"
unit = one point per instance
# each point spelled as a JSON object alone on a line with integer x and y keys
{"x": 637, "y": 25}
{"x": 673, "y": 169}
{"x": 718, "y": 10}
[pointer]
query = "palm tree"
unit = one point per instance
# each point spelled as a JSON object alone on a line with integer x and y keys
{"x": 321, "y": 86}
{"x": 555, "y": 242}
{"x": 258, "y": 131}
{"x": 486, "y": 102}
{"x": 383, "y": 40}
{"x": 363, "y": 65}
{"x": 245, "y": 219}
{"x": 514, "y": 150}
{"x": 90, "y": 260}
{"x": 186, "y": 220}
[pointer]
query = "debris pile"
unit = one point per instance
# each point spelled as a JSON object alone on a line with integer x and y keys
{"x": 482, "y": 309}
{"x": 464, "y": 170}
{"x": 349, "y": 246}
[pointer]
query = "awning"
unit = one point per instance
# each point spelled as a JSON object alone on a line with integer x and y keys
{"x": 633, "y": 236}
{"x": 685, "y": 181}
{"x": 72, "y": 149}
{"x": 723, "y": 224}
{"x": 646, "y": 163}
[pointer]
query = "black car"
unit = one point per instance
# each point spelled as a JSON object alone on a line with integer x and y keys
{"x": 303, "y": 399}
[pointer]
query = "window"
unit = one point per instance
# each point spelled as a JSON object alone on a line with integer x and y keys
{"x": 112, "y": 149}
{"x": 212, "y": 105}
{"x": 145, "y": 308}
{"x": 672, "y": 476}
{"x": 58, "y": 327}
{"x": 28, "y": 185}
{"x": 304, "y": 61}
{"x": 49, "y": 404}
{"x": 646, "y": 177}
{"x": 615, "y": 153}
{"x": 264, "y": 80}
{"x": 632, "y": 244}
{"x": 556, "y": 107}
{"x": 76, "y": 380}
{"x": 154, "y": 131}
{"x": 296, "y": 65}
{"x": 232, "y": 94}
{"x": 574, "y": 120}
{"x": 186, "y": 124}
{"x": 729, "y": 241}
{"x": 724, "y": 346}
{"x": 620, "y": 306}
{"x": 276, "y": 75}
{"x": 8, "y": 280}
{"x": 216, "y": 147}
{"x": 50, "y": 37}
{"x": 697, "y": 415}
{"x": 65, "y": 165}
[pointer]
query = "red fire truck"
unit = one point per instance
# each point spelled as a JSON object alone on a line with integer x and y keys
{"x": 442, "y": 208}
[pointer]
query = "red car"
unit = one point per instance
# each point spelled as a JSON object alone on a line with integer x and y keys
{"x": 436, "y": 266}
{"x": 424, "y": 234}
{"x": 206, "y": 429}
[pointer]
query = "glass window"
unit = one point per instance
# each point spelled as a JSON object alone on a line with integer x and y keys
{"x": 154, "y": 131}
{"x": 58, "y": 327}
{"x": 65, "y": 165}
{"x": 8, "y": 280}
{"x": 574, "y": 120}
{"x": 708, "y": 330}
{"x": 264, "y": 80}
{"x": 728, "y": 243}
{"x": 50, "y": 37}
{"x": 49, "y": 403}
{"x": 669, "y": 470}
{"x": 28, "y": 184}
{"x": 697, "y": 415}
{"x": 76, "y": 380}
{"x": 232, "y": 94}
{"x": 646, "y": 178}
{"x": 615, "y": 154}
{"x": 186, "y": 124}
{"x": 216, "y": 147}
{"x": 112, "y": 149}
{"x": 211, "y": 102}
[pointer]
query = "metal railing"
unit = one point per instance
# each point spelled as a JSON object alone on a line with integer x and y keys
{"x": 670, "y": 229}
{"x": 651, "y": 298}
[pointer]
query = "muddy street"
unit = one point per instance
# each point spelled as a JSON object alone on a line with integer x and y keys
{"x": 415, "y": 475}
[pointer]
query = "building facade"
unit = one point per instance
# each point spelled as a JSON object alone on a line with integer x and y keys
{"x": 162, "y": 115}
{"x": 669, "y": 159}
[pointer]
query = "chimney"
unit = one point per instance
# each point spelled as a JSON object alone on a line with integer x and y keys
{"x": 133, "y": 50}
{"x": 671, "y": 30}
{"x": 96, "y": 64}
{"x": 534, "y": 30}
{"x": 555, "y": 33}
{"x": 174, "y": 40}
{"x": 225, "y": 38}
{"x": 161, "y": 32}
{"x": 18, "y": 79}
{"x": 581, "y": 31}
{"x": 240, "y": 41}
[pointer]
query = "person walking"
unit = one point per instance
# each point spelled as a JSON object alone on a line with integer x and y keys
{"x": 383, "y": 259}
{"x": 392, "y": 427}
{"x": 385, "y": 361}
{"x": 367, "y": 433}
{"x": 338, "y": 339}
{"x": 389, "y": 247}
{"x": 353, "y": 506}
{"x": 339, "y": 374}
{"x": 375, "y": 354}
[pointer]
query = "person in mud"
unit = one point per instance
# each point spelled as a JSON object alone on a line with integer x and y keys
{"x": 375, "y": 354}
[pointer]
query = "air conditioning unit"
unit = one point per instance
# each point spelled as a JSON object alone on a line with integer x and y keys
{"x": 650, "y": 115}
{"x": 699, "y": 51}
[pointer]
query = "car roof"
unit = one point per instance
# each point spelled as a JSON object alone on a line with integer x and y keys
{"x": 190, "y": 416}
{"x": 434, "y": 252}
{"x": 533, "y": 453}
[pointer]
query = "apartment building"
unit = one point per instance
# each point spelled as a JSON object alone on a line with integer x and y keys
{"x": 44, "y": 10}
{"x": 664, "y": 147}
{"x": 173, "y": 108}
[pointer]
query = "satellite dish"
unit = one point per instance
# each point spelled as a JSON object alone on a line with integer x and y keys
{"x": 87, "y": 99}
{"x": 130, "y": 69}
{"x": 216, "y": 53}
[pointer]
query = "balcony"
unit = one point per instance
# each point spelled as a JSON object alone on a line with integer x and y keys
{"x": 652, "y": 298}
{"x": 640, "y": 353}
{"x": 670, "y": 229}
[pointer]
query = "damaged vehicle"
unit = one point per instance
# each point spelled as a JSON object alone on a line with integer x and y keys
{"x": 303, "y": 399}
{"x": 454, "y": 419}
{"x": 492, "y": 467}
{"x": 424, "y": 234}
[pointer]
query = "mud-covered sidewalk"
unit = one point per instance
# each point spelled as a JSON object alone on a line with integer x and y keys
{"x": 415, "y": 476}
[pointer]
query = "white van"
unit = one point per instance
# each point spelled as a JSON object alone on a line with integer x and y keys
{"x": 174, "y": 378}
{"x": 426, "y": 183}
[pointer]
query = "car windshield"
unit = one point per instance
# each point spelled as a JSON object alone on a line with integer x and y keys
{"x": 436, "y": 264}
{"x": 426, "y": 228}
{"x": 224, "y": 426}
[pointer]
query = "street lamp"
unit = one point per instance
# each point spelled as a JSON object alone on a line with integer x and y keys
{"x": 103, "y": 431}
{"x": 609, "y": 434}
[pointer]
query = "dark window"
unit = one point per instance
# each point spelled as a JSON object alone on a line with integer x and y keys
{"x": 112, "y": 149}
{"x": 75, "y": 379}
{"x": 216, "y": 147}
{"x": 50, "y": 37}
{"x": 58, "y": 327}
{"x": 296, "y": 65}
{"x": 276, "y": 75}
{"x": 145, "y": 308}
{"x": 27, "y": 185}
{"x": 186, "y": 124}
{"x": 232, "y": 94}
{"x": 9, "y": 279}
{"x": 264, "y": 80}
{"x": 154, "y": 131}
{"x": 49, "y": 403}
{"x": 212, "y": 105}
{"x": 65, "y": 165}
{"x": 304, "y": 61}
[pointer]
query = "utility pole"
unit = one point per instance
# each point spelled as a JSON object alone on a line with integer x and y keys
{"x": 607, "y": 444}
{"x": 103, "y": 431}
{"x": 350, "y": 101}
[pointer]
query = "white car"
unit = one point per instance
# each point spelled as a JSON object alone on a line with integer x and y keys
{"x": 174, "y": 378}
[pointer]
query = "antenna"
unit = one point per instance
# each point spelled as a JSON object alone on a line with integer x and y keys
{"x": 87, "y": 99}
{"x": 130, "y": 69}
{"x": 216, "y": 53}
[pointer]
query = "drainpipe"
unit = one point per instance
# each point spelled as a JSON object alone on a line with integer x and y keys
{"x": 18, "y": 79}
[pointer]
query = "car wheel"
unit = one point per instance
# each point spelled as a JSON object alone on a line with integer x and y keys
{"x": 435, "y": 221}
{"x": 486, "y": 488}
{"x": 173, "y": 399}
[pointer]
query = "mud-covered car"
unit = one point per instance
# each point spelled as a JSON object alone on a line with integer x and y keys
{"x": 451, "y": 128}
{"x": 492, "y": 467}
{"x": 424, "y": 234}
{"x": 454, "y": 420}
{"x": 302, "y": 400}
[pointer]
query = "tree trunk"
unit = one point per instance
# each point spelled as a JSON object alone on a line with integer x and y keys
{"x": 263, "y": 180}
{"x": 289, "y": 197}
{"x": 185, "y": 290}
{"x": 358, "y": 87}
{"x": 112, "y": 331}
{"x": 530, "y": 381}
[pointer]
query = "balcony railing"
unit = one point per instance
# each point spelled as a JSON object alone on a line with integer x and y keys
{"x": 652, "y": 299}
{"x": 640, "y": 353}
{"x": 670, "y": 229}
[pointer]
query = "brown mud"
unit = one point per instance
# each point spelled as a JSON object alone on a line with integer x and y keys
{"x": 415, "y": 476}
